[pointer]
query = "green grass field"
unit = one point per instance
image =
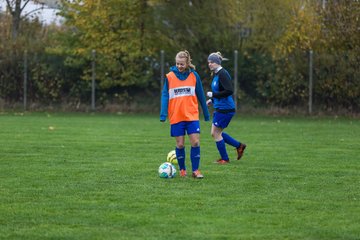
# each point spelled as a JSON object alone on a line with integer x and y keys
{"x": 94, "y": 176}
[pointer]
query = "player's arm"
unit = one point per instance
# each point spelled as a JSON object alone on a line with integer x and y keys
{"x": 199, "y": 91}
{"x": 164, "y": 101}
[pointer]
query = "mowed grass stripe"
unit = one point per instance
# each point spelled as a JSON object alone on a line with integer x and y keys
{"x": 94, "y": 176}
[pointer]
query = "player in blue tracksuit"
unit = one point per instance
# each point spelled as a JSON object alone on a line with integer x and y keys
{"x": 224, "y": 106}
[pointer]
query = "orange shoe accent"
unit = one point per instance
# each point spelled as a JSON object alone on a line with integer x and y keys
{"x": 197, "y": 174}
{"x": 183, "y": 173}
{"x": 240, "y": 151}
{"x": 222, "y": 162}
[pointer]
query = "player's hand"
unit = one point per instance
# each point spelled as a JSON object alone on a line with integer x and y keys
{"x": 209, "y": 102}
{"x": 209, "y": 94}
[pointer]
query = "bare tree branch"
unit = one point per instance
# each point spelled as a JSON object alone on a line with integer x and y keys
{"x": 9, "y": 5}
{"x": 34, "y": 10}
{"x": 26, "y": 2}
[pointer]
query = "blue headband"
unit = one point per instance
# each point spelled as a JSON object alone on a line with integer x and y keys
{"x": 214, "y": 58}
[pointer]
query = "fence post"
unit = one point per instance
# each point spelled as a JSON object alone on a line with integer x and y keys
{"x": 93, "y": 80}
{"x": 25, "y": 79}
{"x": 310, "y": 81}
{"x": 235, "y": 77}
{"x": 162, "y": 73}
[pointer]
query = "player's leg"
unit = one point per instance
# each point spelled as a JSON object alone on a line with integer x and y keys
{"x": 193, "y": 131}
{"x": 178, "y": 131}
{"x": 220, "y": 122}
{"x": 216, "y": 133}
{"x": 180, "y": 154}
{"x": 195, "y": 150}
{"x": 240, "y": 147}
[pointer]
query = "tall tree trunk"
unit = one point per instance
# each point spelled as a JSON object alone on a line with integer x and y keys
{"x": 15, "y": 10}
{"x": 143, "y": 9}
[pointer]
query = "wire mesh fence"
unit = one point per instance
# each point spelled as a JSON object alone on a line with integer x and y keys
{"x": 309, "y": 79}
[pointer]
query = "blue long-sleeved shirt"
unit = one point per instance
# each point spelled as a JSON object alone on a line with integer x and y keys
{"x": 199, "y": 91}
{"x": 222, "y": 91}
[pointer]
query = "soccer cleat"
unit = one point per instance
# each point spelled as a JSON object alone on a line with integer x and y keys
{"x": 240, "y": 151}
{"x": 222, "y": 161}
{"x": 197, "y": 174}
{"x": 183, "y": 173}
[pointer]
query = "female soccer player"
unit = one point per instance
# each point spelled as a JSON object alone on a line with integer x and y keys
{"x": 179, "y": 102}
{"x": 222, "y": 100}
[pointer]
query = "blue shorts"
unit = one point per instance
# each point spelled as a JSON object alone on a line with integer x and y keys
{"x": 179, "y": 129}
{"x": 222, "y": 120}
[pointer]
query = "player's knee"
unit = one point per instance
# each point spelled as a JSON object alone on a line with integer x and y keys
{"x": 196, "y": 144}
{"x": 180, "y": 145}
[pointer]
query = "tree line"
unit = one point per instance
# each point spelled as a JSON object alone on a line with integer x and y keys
{"x": 273, "y": 39}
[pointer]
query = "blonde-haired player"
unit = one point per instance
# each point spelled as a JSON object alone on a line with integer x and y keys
{"x": 181, "y": 94}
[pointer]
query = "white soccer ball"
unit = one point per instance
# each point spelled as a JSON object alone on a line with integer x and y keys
{"x": 167, "y": 170}
{"x": 171, "y": 157}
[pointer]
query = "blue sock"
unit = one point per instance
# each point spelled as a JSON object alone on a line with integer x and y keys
{"x": 222, "y": 150}
{"x": 229, "y": 140}
{"x": 195, "y": 158}
{"x": 180, "y": 155}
